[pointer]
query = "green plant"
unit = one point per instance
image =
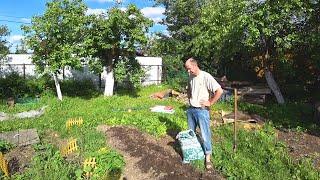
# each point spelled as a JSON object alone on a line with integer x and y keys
{"x": 129, "y": 72}
{"x": 110, "y": 163}
{"x": 5, "y": 146}
{"x": 79, "y": 88}
{"x": 259, "y": 154}
{"x": 14, "y": 85}
{"x": 175, "y": 74}
{"x": 48, "y": 164}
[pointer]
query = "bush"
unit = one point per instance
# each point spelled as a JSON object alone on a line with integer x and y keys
{"x": 15, "y": 86}
{"x": 75, "y": 88}
{"x": 175, "y": 74}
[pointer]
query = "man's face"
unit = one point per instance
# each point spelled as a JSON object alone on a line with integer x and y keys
{"x": 191, "y": 68}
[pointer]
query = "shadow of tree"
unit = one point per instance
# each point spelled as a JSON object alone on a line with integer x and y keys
{"x": 291, "y": 116}
{"x": 131, "y": 92}
{"x": 172, "y": 130}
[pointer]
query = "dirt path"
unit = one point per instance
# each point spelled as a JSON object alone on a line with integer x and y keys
{"x": 149, "y": 158}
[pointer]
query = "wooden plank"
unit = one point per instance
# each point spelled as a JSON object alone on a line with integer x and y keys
{"x": 254, "y": 90}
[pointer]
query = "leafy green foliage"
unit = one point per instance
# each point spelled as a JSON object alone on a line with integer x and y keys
{"x": 71, "y": 88}
{"x": 57, "y": 37}
{"x": 48, "y": 163}
{"x": 292, "y": 116}
{"x": 259, "y": 153}
{"x": 254, "y": 36}
{"x": 115, "y": 41}
{"x": 5, "y": 146}
{"x": 129, "y": 71}
{"x": 256, "y": 151}
{"x": 180, "y": 15}
{"x": 13, "y": 85}
{"x": 109, "y": 164}
{"x": 175, "y": 73}
{"x": 4, "y": 49}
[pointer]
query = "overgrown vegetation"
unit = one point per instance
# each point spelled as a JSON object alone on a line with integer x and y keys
{"x": 244, "y": 39}
{"x": 259, "y": 154}
{"x": 241, "y": 39}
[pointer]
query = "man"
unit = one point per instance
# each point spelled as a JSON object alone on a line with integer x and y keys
{"x": 203, "y": 91}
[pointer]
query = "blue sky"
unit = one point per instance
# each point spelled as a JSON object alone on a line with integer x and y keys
{"x": 14, "y": 13}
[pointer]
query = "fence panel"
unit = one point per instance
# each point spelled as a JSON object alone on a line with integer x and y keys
{"x": 154, "y": 73}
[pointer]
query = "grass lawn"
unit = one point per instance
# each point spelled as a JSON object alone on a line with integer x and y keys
{"x": 259, "y": 154}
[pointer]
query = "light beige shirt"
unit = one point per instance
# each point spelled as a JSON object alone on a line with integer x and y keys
{"x": 201, "y": 87}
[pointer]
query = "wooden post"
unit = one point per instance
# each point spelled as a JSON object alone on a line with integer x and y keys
{"x": 235, "y": 120}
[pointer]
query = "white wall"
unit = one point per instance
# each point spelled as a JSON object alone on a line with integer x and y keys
{"x": 17, "y": 62}
{"x": 153, "y": 68}
{"x": 21, "y": 63}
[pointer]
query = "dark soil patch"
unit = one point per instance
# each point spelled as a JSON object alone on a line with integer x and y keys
{"x": 19, "y": 158}
{"x": 301, "y": 145}
{"x": 150, "y": 158}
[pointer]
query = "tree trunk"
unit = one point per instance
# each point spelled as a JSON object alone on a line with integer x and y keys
{"x": 56, "y": 82}
{"x": 274, "y": 87}
{"x": 109, "y": 81}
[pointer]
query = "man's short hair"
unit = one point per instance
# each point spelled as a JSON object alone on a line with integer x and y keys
{"x": 193, "y": 61}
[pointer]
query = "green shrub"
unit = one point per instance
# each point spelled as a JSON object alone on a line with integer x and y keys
{"x": 259, "y": 156}
{"x": 16, "y": 86}
{"x": 175, "y": 74}
{"x": 5, "y": 146}
{"x": 48, "y": 164}
{"x": 74, "y": 88}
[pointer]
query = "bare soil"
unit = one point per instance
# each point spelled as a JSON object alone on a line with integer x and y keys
{"x": 302, "y": 145}
{"x": 149, "y": 158}
{"x": 19, "y": 158}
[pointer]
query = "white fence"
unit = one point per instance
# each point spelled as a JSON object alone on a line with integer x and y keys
{"x": 22, "y": 64}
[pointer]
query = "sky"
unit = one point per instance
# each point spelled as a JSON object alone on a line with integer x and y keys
{"x": 14, "y": 13}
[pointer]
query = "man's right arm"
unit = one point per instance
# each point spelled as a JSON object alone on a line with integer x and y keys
{"x": 217, "y": 94}
{"x": 188, "y": 91}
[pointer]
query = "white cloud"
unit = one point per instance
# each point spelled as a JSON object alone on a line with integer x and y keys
{"x": 154, "y": 13}
{"x": 15, "y": 38}
{"x": 96, "y": 11}
{"x": 26, "y": 20}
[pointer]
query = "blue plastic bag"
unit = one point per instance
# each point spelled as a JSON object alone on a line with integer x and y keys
{"x": 190, "y": 146}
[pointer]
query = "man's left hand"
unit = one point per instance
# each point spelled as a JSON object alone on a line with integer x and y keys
{"x": 205, "y": 103}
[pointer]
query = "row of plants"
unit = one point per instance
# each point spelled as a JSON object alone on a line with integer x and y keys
{"x": 259, "y": 154}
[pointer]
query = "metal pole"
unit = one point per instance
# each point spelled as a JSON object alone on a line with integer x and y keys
{"x": 235, "y": 120}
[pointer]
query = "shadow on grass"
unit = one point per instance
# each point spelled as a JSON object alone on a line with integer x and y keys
{"x": 290, "y": 116}
{"x": 133, "y": 93}
{"x": 172, "y": 130}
